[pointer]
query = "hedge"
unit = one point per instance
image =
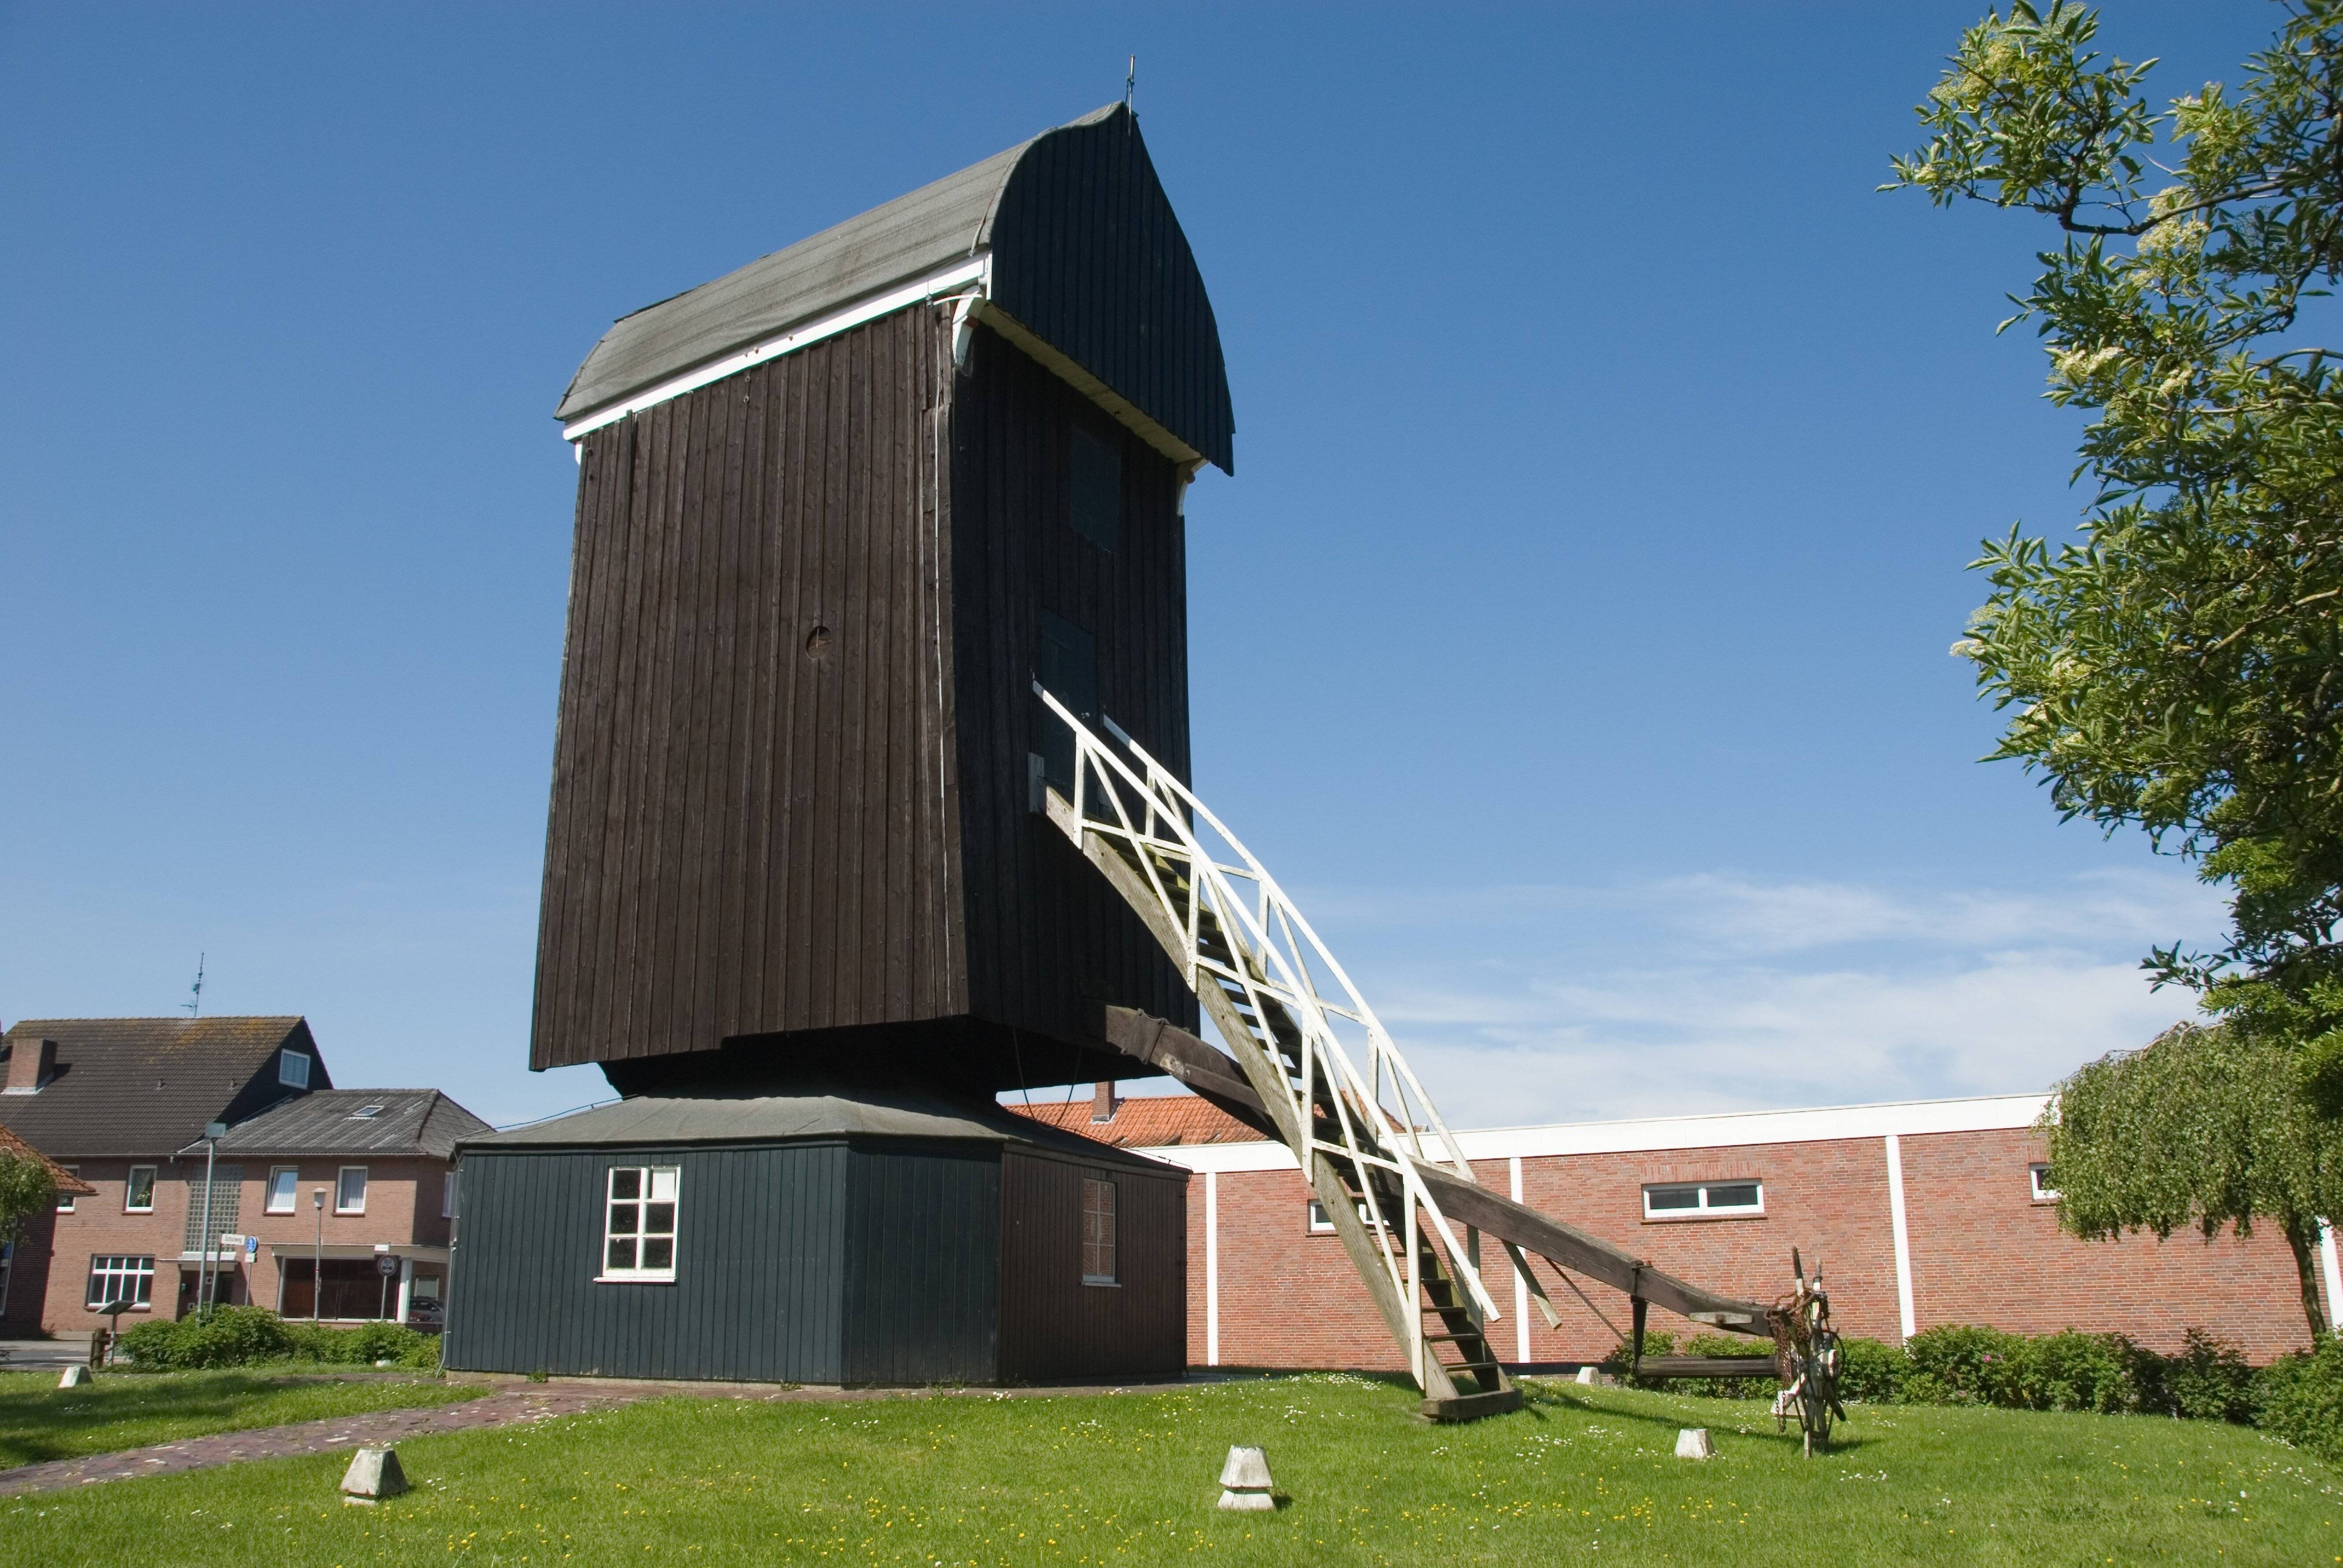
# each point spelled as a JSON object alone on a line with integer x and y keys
{"x": 2297, "y": 1397}
{"x": 244, "y": 1336}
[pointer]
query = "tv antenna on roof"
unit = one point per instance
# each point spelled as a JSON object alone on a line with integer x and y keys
{"x": 1130, "y": 82}
{"x": 195, "y": 1005}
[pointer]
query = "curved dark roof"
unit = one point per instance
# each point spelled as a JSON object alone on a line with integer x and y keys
{"x": 1087, "y": 256}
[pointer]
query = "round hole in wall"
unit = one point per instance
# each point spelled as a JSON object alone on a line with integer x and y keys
{"x": 816, "y": 642}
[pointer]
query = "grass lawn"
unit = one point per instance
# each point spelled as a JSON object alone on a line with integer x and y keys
{"x": 40, "y": 1420}
{"x": 1583, "y": 1474}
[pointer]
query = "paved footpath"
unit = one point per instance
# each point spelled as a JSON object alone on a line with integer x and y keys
{"x": 372, "y": 1428}
{"x": 515, "y": 1401}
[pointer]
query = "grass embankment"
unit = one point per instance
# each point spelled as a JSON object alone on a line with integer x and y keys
{"x": 1582, "y": 1473}
{"x": 39, "y": 1421}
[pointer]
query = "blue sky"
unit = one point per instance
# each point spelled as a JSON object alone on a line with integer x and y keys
{"x": 1572, "y": 638}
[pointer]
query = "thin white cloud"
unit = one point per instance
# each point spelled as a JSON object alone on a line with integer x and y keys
{"x": 1768, "y": 994}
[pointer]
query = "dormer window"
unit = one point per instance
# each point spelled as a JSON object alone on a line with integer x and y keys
{"x": 293, "y": 1069}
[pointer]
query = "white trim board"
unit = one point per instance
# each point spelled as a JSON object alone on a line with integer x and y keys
{"x": 976, "y": 270}
{"x": 1729, "y": 1130}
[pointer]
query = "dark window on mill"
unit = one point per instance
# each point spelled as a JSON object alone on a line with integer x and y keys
{"x": 1066, "y": 663}
{"x": 1095, "y": 487}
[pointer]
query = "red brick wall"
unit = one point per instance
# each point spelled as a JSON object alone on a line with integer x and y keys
{"x": 1983, "y": 1252}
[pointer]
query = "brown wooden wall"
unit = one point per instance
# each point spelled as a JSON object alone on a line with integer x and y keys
{"x": 1047, "y": 937}
{"x": 1054, "y": 1328}
{"x": 750, "y": 827}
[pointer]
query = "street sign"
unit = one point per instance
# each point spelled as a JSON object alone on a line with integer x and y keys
{"x": 387, "y": 1262}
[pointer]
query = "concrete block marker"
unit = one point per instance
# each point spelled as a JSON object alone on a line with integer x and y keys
{"x": 374, "y": 1475}
{"x": 75, "y": 1377}
{"x": 1245, "y": 1483}
{"x": 1691, "y": 1443}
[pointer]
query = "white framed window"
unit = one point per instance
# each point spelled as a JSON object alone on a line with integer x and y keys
{"x": 639, "y": 1222}
{"x": 1097, "y": 1231}
{"x": 65, "y": 1200}
{"x": 2037, "y": 1182}
{"x": 1701, "y": 1200}
{"x": 284, "y": 1189}
{"x": 448, "y": 1197}
{"x": 350, "y": 1191}
{"x": 1320, "y": 1225}
{"x": 139, "y": 1192}
{"x": 120, "y": 1279}
{"x": 293, "y": 1069}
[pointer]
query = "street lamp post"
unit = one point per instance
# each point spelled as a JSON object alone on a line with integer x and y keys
{"x": 317, "y": 1266}
{"x": 213, "y": 1133}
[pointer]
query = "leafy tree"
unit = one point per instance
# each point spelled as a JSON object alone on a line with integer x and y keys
{"x": 2208, "y": 1127}
{"x": 26, "y": 1188}
{"x": 2179, "y": 668}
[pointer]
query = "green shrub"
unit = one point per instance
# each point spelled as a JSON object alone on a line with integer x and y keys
{"x": 1871, "y": 1372}
{"x": 2300, "y": 1399}
{"x": 2071, "y": 1371}
{"x": 1958, "y": 1364}
{"x": 244, "y": 1336}
{"x": 2209, "y": 1380}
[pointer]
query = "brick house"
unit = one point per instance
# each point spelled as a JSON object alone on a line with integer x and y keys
{"x": 68, "y": 1185}
{"x": 123, "y": 1104}
{"x": 1926, "y": 1213}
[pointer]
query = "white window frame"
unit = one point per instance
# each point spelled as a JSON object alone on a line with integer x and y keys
{"x": 130, "y": 1187}
{"x": 447, "y": 1195}
{"x": 66, "y": 1200}
{"x": 134, "y": 1267}
{"x": 650, "y": 1181}
{"x": 292, "y": 1204}
{"x": 1320, "y": 1225}
{"x": 293, "y": 1069}
{"x": 341, "y": 1187}
{"x": 1110, "y": 1248}
{"x": 1704, "y": 1209}
{"x": 2038, "y": 1182}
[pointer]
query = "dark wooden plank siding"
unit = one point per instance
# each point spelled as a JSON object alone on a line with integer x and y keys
{"x": 1053, "y": 1327}
{"x": 1089, "y": 255}
{"x": 748, "y": 832}
{"x": 1047, "y": 937}
{"x": 762, "y": 1262}
{"x": 923, "y": 1257}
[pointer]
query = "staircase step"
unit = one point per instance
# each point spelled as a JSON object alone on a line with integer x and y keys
{"x": 1473, "y": 1406}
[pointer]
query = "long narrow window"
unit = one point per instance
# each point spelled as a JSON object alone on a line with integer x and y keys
{"x": 120, "y": 1279}
{"x": 1703, "y": 1200}
{"x": 639, "y": 1227}
{"x": 284, "y": 1188}
{"x": 1094, "y": 488}
{"x": 349, "y": 1191}
{"x": 65, "y": 1200}
{"x": 139, "y": 1192}
{"x": 1097, "y": 1231}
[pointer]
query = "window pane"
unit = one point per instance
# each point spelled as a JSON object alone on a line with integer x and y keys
{"x": 626, "y": 1219}
{"x": 1096, "y": 488}
{"x": 141, "y": 1192}
{"x": 1662, "y": 1197}
{"x": 622, "y": 1253}
{"x": 663, "y": 1183}
{"x": 658, "y": 1218}
{"x": 1739, "y": 1195}
{"x": 351, "y": 1192}
{"x": 658, "y": 1252}
{"x": 626, "y": 1183}
{"x": 283, "y": 1182}
{"x": 293, "y": 1069}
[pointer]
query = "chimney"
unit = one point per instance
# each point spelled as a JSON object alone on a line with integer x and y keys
{"x": 30, "y": 1064}
{"x": 1102, "y": 1106}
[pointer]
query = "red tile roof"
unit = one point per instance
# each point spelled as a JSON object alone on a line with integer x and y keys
{"x": 1142, "y": 1121}
{"x": 67, "y": 1185}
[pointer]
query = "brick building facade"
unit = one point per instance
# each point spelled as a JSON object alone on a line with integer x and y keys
{"x": 312, "y": 1181}
{"x": 1921, "y": 1214}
